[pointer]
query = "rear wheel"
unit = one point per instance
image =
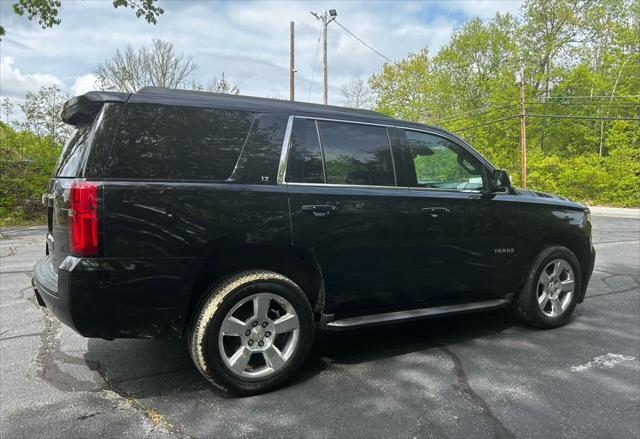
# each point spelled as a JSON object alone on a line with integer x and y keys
{"x": 252, "y": 332}
{"x": 550, "y": 292}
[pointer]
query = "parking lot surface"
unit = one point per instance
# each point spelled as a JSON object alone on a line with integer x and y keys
{"x": 479, "y": 375}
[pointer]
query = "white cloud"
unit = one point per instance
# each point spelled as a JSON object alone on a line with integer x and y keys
{"x": 248, "y": 41}
{"x": 84, "y": 84}
{"x": 14, "y": 83}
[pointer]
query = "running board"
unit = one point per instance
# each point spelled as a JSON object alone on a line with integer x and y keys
{"x": 413, "y": 314}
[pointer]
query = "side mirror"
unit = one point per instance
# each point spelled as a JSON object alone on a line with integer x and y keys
{"x": 500, "y": 181}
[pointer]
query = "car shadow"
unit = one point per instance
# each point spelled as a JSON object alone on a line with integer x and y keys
{"x": 148, "y": 368}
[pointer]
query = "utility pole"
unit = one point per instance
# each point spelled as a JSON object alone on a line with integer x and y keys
{"x": 523, "y": 131}
{"x": 292, "y": 64}
{"x": 325, "y": 17}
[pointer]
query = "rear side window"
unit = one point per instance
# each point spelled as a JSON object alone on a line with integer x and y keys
{"x": 260, "y": 155}
{"x": 178, "y": 143}
{"x": 356, "y": 154}
{"x": 71, "y": 158}
{"x": 305, "y": 159}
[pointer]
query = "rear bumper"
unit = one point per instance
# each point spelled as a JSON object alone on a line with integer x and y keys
{"x": 45, "y": 283}
{"x": 115, "y": 298}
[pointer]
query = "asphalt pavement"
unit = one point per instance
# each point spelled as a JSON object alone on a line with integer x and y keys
{"x": 479, "y": 375}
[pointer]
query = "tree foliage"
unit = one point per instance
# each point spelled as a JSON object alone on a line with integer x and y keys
{"x": 45, "y": 12}
{"x": 26, "y": 164}
{"x": 580, "y": 58}
{"x": 42, "y": 114}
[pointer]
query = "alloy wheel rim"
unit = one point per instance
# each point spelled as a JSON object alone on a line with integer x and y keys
{"x": 259, "y": 335}
{"x": 555, "y": 289}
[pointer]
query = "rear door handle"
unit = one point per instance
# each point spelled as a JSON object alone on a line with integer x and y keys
{"x": 319, "y": 209}
{"x": 435, "y": 211}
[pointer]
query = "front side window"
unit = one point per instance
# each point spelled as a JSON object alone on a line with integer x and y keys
{"x": 441, "y": 164}
{"x": 356, "y": 154}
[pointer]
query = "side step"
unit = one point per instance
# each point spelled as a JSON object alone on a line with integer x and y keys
{"x": 413, "y": 314}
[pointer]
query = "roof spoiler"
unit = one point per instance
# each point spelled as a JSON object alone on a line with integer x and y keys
{"x": 83, "y": 109}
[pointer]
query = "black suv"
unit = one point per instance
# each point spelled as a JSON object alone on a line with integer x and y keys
{"x": 246, "y": 224}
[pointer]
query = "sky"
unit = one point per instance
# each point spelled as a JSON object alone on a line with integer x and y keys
{"x": 248, "y": 41}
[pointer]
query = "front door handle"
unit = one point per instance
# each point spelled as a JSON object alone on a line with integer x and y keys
{"x": 319, "y": 209}
{"x": 435, "y": 212}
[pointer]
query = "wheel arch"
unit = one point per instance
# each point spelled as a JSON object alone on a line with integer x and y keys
{"x": 296, "y": 263}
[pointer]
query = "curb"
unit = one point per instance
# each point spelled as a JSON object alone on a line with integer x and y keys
{"x": 615, "y": 212}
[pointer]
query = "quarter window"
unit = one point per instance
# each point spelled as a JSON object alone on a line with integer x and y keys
{"x": 173, "y": 143}
{"x": 441, "y": 164}
{"x": 356, "y": 154}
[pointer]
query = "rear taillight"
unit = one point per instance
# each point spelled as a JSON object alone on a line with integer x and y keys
{"x": 83, "y": 221}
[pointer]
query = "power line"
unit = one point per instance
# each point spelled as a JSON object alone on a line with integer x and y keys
{"x": 572, "y": 116}
{"x": 593, "y": 97}
{"x": 480, "y": 111}
{"x": 476, "y": 112}
{"x": 362, "y": 42}
{"x": 551, "y": 116}
{"x": 486, "y": 123}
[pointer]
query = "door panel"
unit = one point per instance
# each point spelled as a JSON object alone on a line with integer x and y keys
{"x": 354, "y": 225}
{"x": 357, "y": 236}
{"x": 465, "y": 242}
{"x": 462, "y": 245}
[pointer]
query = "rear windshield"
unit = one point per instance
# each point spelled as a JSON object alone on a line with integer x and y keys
{"x": 71, "y": 158}
{"x": 178, "y": 143}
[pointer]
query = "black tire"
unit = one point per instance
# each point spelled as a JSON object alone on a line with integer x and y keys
{"x": 525, "y": 304}
{"x": 219, "y": 301}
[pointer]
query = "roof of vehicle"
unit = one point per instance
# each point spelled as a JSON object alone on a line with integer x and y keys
{"x": 203, "y": 98}
{"x": 171, "y": 96}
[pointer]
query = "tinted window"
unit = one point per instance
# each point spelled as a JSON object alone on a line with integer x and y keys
{"x": 440, "y": 163}
{"x": 261, "y": 153}
{"x": 71, "y": 158}
{"x": 163, "y": 142}
{"x": 305, "y": 159}
{"x": 356, "y": 154}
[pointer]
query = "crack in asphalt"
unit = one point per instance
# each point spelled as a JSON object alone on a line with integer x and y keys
{"x": 463, "y": 385}
{"x": 612, "y": 293}
{"x": 31, "y": 334}
{"x": 150, "y": 375}
{"x": 148, "y": 411}
{"x": 17, "y": 272}
{"x": 49, "y": 371}
{"x": 12, "y": 252}
{"x": 48, "y": 368}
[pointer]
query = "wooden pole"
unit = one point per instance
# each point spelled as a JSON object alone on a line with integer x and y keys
{"x": 523, "y": 133}
{"x": 292, "y": 68}
{"x": 325, "y": 73}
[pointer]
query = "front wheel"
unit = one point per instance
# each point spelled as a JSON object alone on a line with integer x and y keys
{"x": 252, "y": 332}
{"x": 550, "y": 292}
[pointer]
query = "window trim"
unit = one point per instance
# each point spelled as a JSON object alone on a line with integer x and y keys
{"x": 284, "y": 156}
{"x": 474, "y": 154}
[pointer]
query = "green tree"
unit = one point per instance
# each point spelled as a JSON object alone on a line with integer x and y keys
{"x": 45, "y": 12}
{"x": 42, "y": 114}
{"x": 580, "y": 59}
{"x": 26, "y": 164}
